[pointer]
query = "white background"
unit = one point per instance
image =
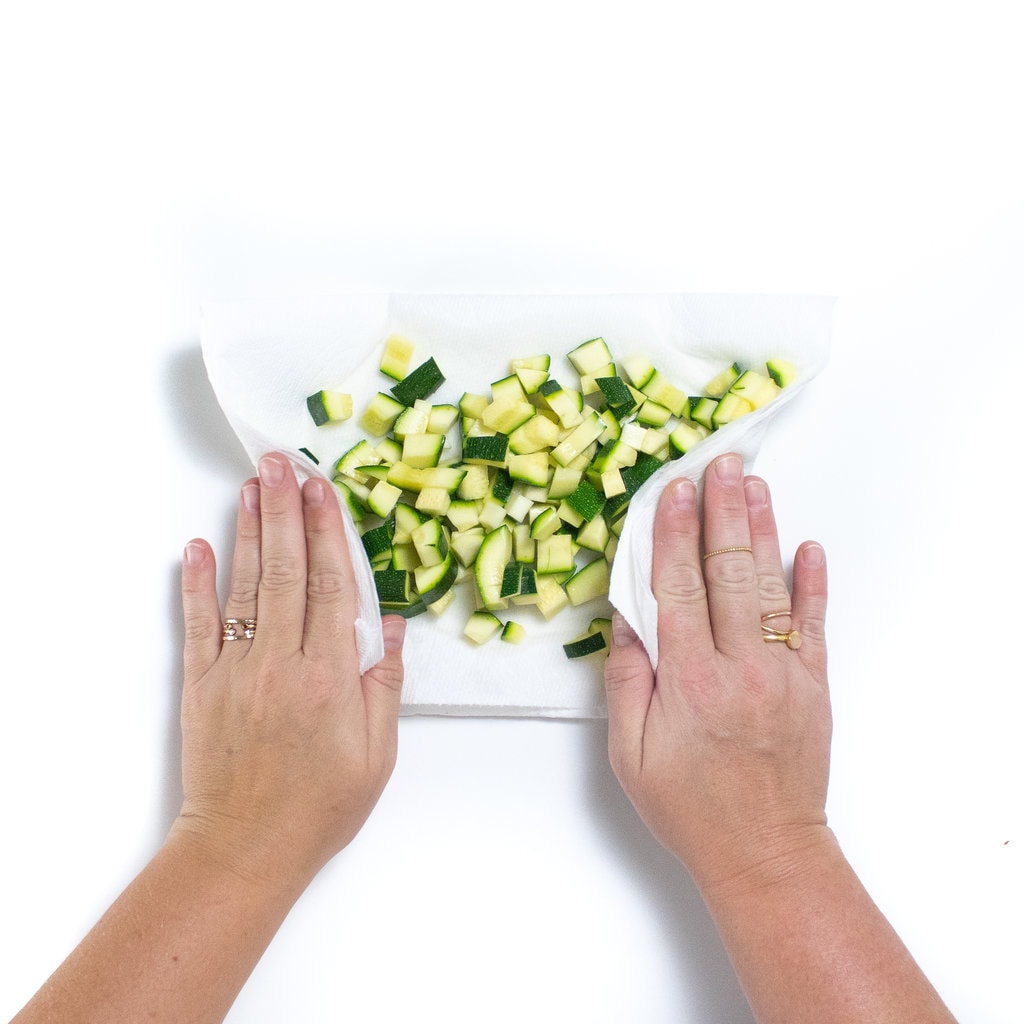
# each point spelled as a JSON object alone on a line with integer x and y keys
{"x": 157, "y": 154}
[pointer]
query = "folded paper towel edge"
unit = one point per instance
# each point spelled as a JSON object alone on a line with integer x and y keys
{"x": 630, "y": 586}
{"x": 367, "y": 626}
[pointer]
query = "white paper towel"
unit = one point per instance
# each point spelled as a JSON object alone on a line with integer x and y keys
{"x": 264, "y": 357}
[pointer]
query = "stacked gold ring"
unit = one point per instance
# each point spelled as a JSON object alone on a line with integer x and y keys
{"x": 790, "y": 637}
{"x": 231, "y": 631}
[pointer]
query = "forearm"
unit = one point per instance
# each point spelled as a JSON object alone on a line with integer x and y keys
{"x": 177, "y": 945}
{"x": 809, "y": 945}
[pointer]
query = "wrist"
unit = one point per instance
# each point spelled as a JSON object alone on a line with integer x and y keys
{"x": 764, "y": 861}
{"x": 242, "y": 854}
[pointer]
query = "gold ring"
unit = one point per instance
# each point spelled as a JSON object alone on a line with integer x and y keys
{"x": 776, "y": 615}
{"x": 790, "y": 637}
{"x": 725, "y": 551}
{"x": 231, "y": 629}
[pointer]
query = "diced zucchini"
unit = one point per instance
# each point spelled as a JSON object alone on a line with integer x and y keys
{"x": 545, "y": 524}
{"x": 701, "y": 409}
{"x": 781, "y": 371}
{"x": 555, "y": 554}
{"x": 665, "y": 393}
{"x": 551, "y": 598}
{"x": 396, "y": 357}
{"x": 434, "y": 581}
{"x": 380, "y": 414}
{"x": 563, "y": 403}
{"x": 508, "y": 389}
{"x": 590, "y": 356}
{"x": 412, "y": 420}
{"x": 532, "y": 468}
{"x": 406, "y": 519}
{"x": 590, "y": 642}
{"x": 588, "y": 583}
{"x": 541, "y": 362}
{"x": 536, "y": 433}
{"x": 442, "y": 418}
{"x": 531, "y": 379}
{"x": 471, "y": 406}
{"x": 504, "y": 415}
{"x": 393, "y": 588}
{"x": 581, "y": 436}
{"x": 593, "y": 535}
{"x": 494, "y": 554}
{"x": 463, "y": 514}
{"x": 420, "y": 383}
{"x": 430, "y": 541}
{"x": 475, "y": 484}
{"x": 378, "y": 540}
{"x": 329, "y": 407}
{"x": 731, "y": 407}
{"x": 465, "y": 544}
{"x": 638, "y": 370}
{"x": 564, "y": 480}
{"x": 435, "y": 501}
{"x": 422, "y": 450}
{"x": 383, "y": 497}
{"x": 482, "y": 626}
{"x": 617, "y": 395}
{"x": 586, "y": 500}
{"x": 485, "y": 449}
{"x": 757, "y": 388}
{"x": 685, "y": 436}
{"x": 501, "y": 486}
{"x": 513, "y": 632}
{"x": 721, "y": 382}
{"x": 351, "y": 462}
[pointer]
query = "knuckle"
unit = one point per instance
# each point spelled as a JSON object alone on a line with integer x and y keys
{"x": 201, "y": 631}
{"x": 683, "y": 584}
{"x": 280, "y": 573}
{"x": 244, "y": 588}
{"x": 773, "y": 591}
{"x": 325, "y": 584}
{"x": 732, "y": 574}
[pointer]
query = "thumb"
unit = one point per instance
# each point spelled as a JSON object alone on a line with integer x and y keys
{"x": 629, "y": 685}
{"x": 382, "y": 683}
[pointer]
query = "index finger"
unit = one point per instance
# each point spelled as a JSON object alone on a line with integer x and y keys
{"x": 684, "y": 628}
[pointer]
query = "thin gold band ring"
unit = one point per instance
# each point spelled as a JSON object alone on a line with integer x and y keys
{"x": 725, "y": 551}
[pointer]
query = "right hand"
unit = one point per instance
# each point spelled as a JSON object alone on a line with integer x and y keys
{"x": 724, "y": 750}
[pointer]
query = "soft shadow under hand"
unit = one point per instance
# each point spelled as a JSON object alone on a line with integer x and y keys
{"x": 711, "y": 990}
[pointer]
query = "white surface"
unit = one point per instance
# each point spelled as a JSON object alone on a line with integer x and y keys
{"x": 152, "y": 162}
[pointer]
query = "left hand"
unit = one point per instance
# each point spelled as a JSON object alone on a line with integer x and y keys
{"x": 286, "y": 745}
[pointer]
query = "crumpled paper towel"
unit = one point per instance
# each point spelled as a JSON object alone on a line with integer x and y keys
{"x": 263, "y": 358}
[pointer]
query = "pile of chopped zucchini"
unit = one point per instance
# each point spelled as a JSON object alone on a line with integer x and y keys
{"x": 523, "y": 489}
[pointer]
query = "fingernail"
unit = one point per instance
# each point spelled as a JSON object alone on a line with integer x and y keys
{"x": 683, "y": 494}
{"x": 271, "y": 471}
{"x": 756, "y": 493}
{"x": 194, "y": 553}
{"x": 729, "y": 468}
{"x": 313, "y": 492}
{"x": 623, "y": 633}
{"x": 251, "y": 497}
{"x": 813, "y": 556}
{"x": 393, "y": 628}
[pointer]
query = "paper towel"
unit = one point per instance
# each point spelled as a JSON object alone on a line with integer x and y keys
{"x": 264, "y": 357}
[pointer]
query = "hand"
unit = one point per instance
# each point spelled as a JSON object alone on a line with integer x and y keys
{"x": 724, "y": 750}
{"x": 286, "y": 747}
